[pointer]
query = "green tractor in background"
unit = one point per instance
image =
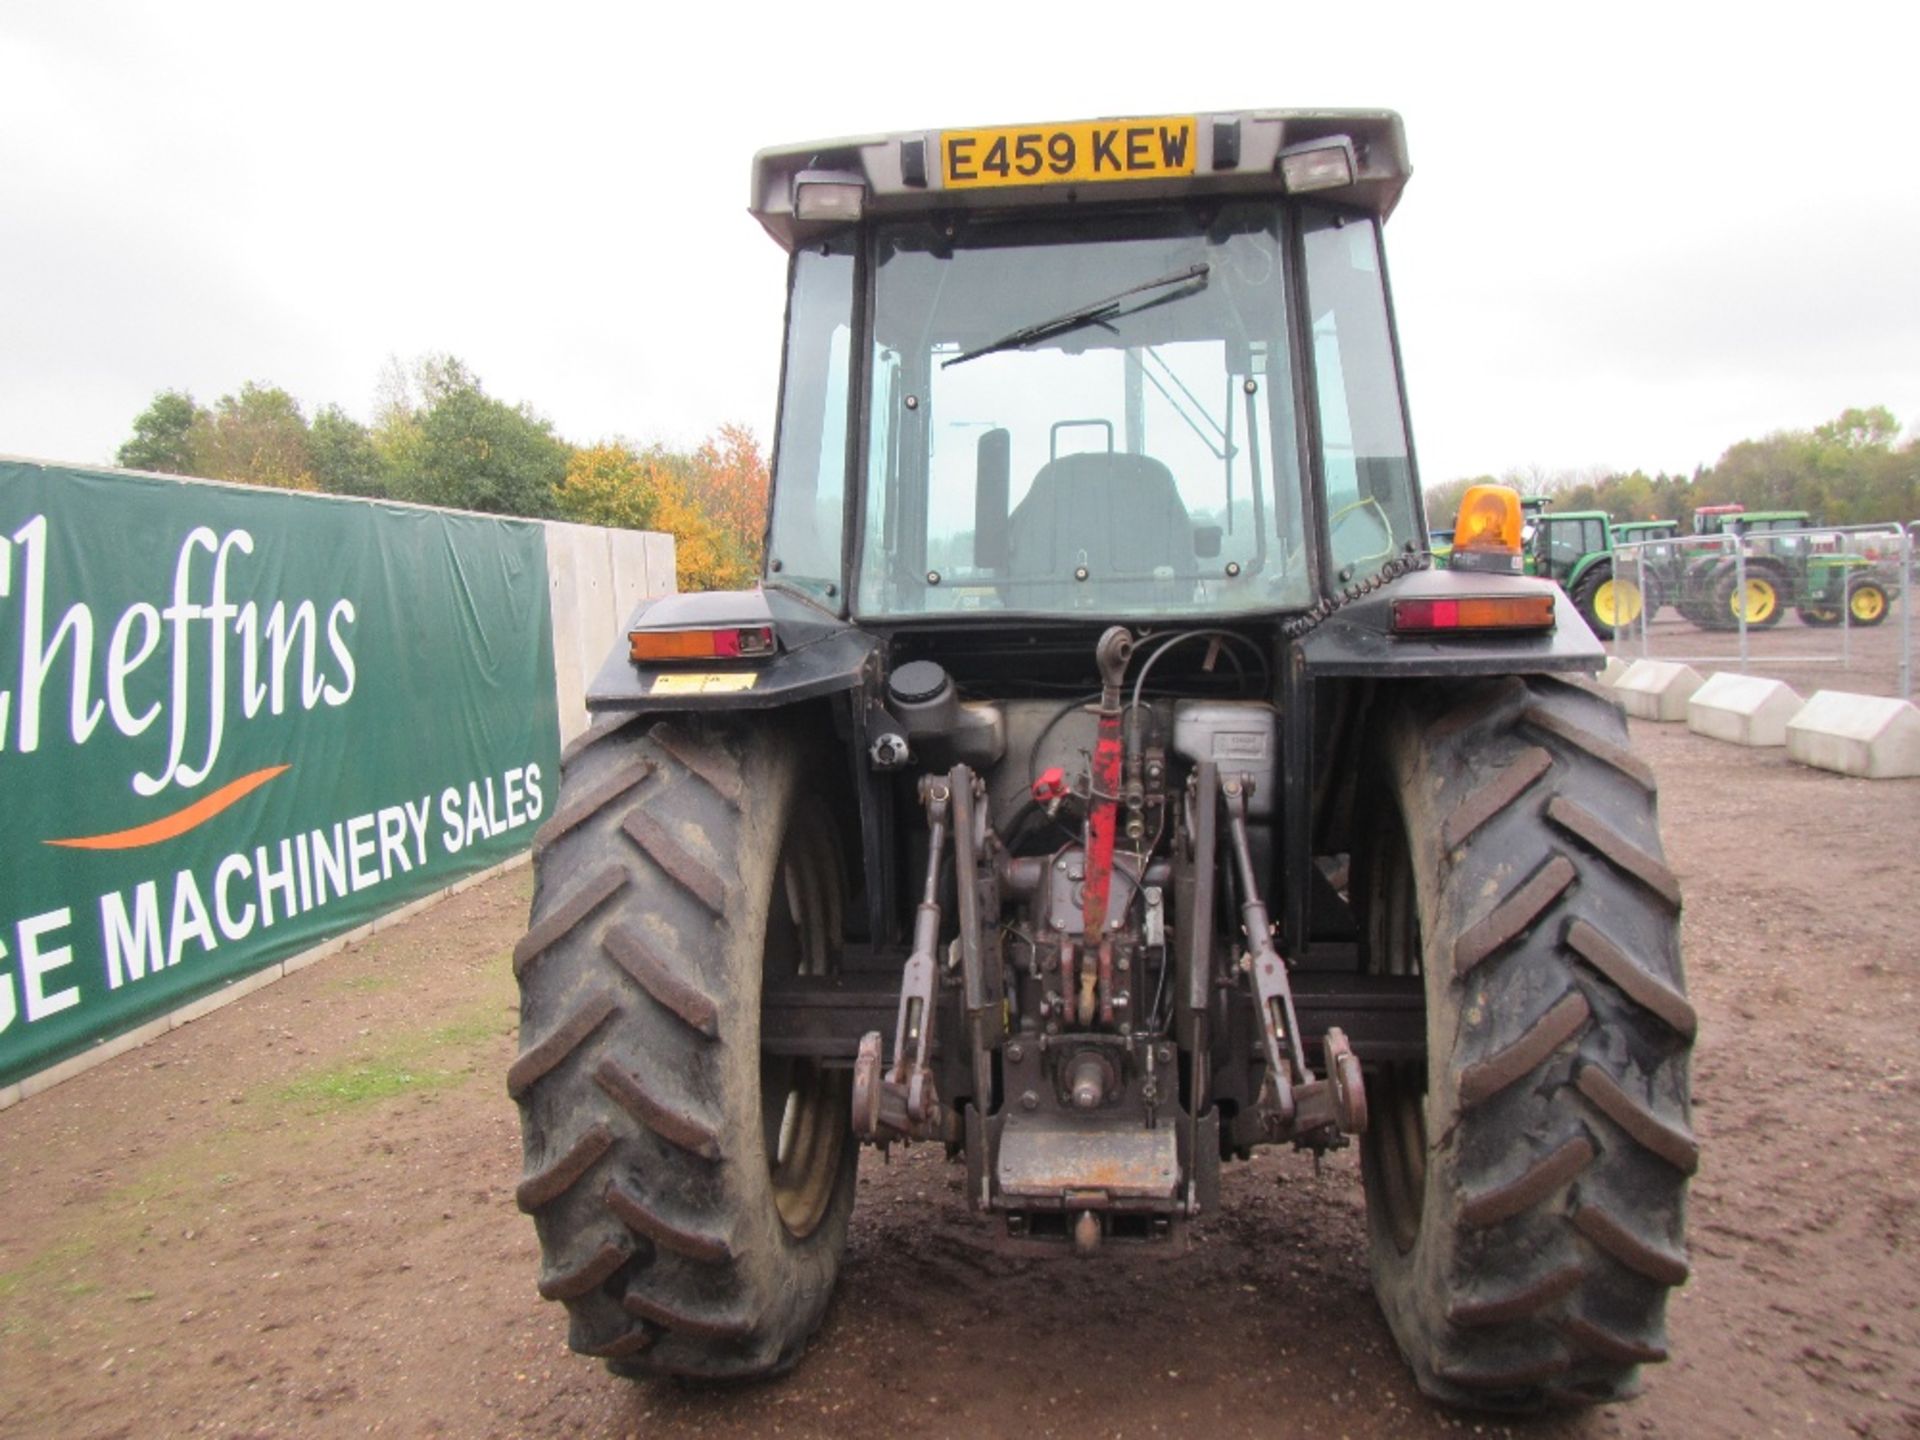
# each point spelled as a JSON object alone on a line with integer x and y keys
{"x": 1575, "y": 549}
{"x": 1652, "y": 560}
{"x": 1783, "y": 566}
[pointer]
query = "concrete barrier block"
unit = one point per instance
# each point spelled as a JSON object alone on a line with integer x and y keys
{"x": 1657, "y": 689}
{"x": 1616, "y": 667}
{"x": 1743, "y": 709}
{"x": 1871, "y": 736}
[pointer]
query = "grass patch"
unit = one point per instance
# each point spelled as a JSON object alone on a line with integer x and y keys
{"x": 366, "y": 984}
{"x": 39, "y": 1273}
{"x": 469, "y": 1032}
{"x": 412, "y": 1062}
{"x": 359, "y": 1082}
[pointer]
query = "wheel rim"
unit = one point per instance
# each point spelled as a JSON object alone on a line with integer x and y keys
{"x": 1759, "y": 598}
{"x": 1869, "y": 603}
{"x": 803, "y": 1105}
{"x": 1394, "y": 1148}
{"x": 1617, "y": 602}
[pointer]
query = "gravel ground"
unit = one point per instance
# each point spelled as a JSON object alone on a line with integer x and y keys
{"x": 1809, "y": 658}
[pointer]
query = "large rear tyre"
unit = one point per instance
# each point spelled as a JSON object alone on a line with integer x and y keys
{"x": 691, "y": 1195}
{"x": 1526, "y": 1184}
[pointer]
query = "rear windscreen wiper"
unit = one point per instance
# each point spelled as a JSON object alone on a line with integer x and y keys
{"x": 1094, "y": 312}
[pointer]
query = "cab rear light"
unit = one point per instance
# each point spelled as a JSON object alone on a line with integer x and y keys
{"x": 733, "y": 642}
{"x": 1317, "y": 165}
{"x": 1488, "y": 612}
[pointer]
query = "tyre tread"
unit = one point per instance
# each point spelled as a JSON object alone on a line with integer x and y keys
{"x": 1484, "y": 1079}
{"x": 1513, "y": 916}
{"x": 692, "y": 874}
{"x": 548, "y": 1053}
{"x": 544, "y": 1186}
{"x": 566, "y": 917}
{"x": 1496, "y": 795}
{"x": 1583, "y": 824}
{"x": 1671, "y": 1143}
{"x": 628, "y": 949}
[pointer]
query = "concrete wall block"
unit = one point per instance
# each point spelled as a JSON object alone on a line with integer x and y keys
{"x": 570, "y": 675}
{"x": 1743, "y": 709}
{"x": 660, "y": 565}
{"x": 632, "y": 573}
{"x": 1616, "y": 667}
{"x": 1657, "y": 689}
{"x": 595, "y": 579}
{"x": 1871, "y": 736}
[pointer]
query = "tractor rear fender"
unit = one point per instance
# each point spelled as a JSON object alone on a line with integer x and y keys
{"x": 815, "y": 654}
{"x": 819, "y": 661}
{"x": 1356, "y": 644}
{"x": 1358, "y": 639}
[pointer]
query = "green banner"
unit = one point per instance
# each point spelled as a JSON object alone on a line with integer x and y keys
{"x": 235, "y": 722}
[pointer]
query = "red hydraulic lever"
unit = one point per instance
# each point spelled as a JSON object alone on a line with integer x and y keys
{"x": 1112, "y": 654}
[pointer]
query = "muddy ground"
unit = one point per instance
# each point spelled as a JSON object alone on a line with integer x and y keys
{"x": 295, "y": 1217}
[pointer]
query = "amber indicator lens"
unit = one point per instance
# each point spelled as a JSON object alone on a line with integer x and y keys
{"x": 735, "y": 642}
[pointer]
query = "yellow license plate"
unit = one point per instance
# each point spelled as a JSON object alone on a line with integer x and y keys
{"x": 707, "y": 682}
{"x": 1068, "y": 154}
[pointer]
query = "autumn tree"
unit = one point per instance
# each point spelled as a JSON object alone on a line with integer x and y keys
{"x": 704, "y": 557}
{"x": 258, "y": 436}
{"x": 611, "y": 485}
{"x": 730, "y": 482}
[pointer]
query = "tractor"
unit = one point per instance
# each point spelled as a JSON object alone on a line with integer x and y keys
{"x": 1783, "y": 563}
{"x": 1100, "y": 785}
{"x": 1575, "y": 549}
{"x": 1650, "y": 559}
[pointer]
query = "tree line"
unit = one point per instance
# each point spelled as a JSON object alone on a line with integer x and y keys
{"x": 438, "y": 438}
{"x": 1853, "y": 470}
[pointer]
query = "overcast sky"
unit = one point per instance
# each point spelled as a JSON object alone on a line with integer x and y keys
{"x": 1635, "y": 235}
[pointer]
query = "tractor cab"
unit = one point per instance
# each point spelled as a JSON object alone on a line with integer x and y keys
{"x": 1639, "y": 532}
{"x": 1716, "y": 519}
{"x": 1134, "y": 369}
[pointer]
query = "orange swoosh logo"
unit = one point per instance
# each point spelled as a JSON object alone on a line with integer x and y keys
{"x": 181, "y": 821}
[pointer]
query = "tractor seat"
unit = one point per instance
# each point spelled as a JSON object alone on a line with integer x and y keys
{"x": 1119, "y": 515}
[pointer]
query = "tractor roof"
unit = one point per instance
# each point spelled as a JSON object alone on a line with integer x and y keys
{"x": 1085, "y": 162}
